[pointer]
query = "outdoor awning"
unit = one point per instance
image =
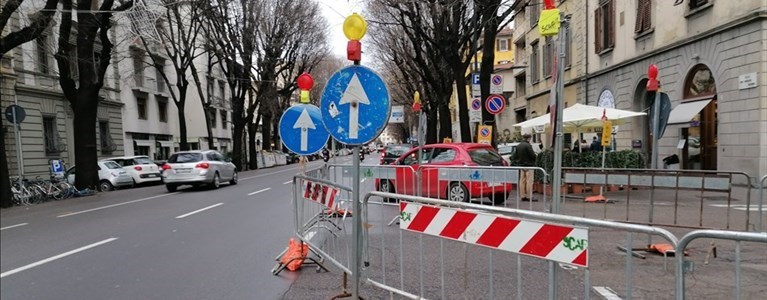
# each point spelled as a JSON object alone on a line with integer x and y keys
{"x": 168, "y": 144}
{"x": 143, "y": 143}
{"x": 683, "y": 113}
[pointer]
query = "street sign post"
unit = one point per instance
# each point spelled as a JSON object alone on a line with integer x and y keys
{"x": 496, "y": 84}
{"x": 15, "y": 114}
{"x": 485, "y": 134}
{"x": 495, "y": 104}
{"x": 301, "y": 129}
{"x": 355, "y": 105}
{"x": 475, "y": 110}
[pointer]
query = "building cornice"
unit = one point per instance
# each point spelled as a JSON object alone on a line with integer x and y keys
{"x": 745, "y": 19}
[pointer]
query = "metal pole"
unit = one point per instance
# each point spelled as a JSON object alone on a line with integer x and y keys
{"x": 16, "y": 129}
{"x": 558, "y": 147}
{"x": 655, "y": 129}
{"x": 421, "y": 137}
{"x": 357, "y": 229}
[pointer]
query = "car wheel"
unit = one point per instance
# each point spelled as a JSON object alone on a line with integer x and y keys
{"x": 234, "y": 179}
{"x": 457, "y": 192}
{"x": 216, "y": 181}
{"x": 171, "y": 187}
{"x": 105, "y": 186}
{"x": 386, "y": 186}
{"x": 499, "y": 198}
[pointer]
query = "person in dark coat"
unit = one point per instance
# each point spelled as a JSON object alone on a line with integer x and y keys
{"x": 524, "y": 156}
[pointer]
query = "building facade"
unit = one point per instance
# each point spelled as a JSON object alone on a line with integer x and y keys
{"x": 712, "y": 62}
{"x": 29, "y": 78}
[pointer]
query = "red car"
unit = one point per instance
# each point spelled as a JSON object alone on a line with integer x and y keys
{"x": 439, "y": 156}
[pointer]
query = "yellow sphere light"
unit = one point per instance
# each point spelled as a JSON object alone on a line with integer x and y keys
{"x": 355, "y": 27}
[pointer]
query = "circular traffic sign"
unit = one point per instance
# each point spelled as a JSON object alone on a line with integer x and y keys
{"x": 20, "y": 114}
{"x": 497, "y": 79}
{"x": 301, "y": 129}
{"x": 476, "y": 104}
{"x": 495, "y": 104}
{"x": 484, "y": 132}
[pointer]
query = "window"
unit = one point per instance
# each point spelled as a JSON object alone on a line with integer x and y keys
{"x": 644, "y": 16}
{"x": 503, "y": 45}
{"x": 222, "y": 92}
{"x": 138, "y": 67}
{"x": 141, "y": 107}
{"x": 140, "y": 150}
{"x": 521, "y": 86}
{"x": 42, "y": 54}
{"x": 162, "y": 109}
{"x": 548, "y": 57}
{"x": 51, "y": 132}
{"x": 535, "y": 12}
{"x": 695, "y": 4}
{"x": 442, "y": 155}
{"x": 211, "y": 90}
{"x": 534, "y": 68}
{"x": 568, "y": 47}
{"x": 485, "y": 157}
{"x": 107, "y": 145}
{"x": 604, "y": 26}
{"x": 223, "y": 119}
{"x": 185, "y": 158}
{"x": 159, "y": 66}
{"x": 212, "y": 113}
{"x": 519, "y": 52}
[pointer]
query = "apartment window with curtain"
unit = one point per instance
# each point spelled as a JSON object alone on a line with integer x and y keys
{"x": 534, "y": 61}
{"x": 51, "y": 135}
{"x": 503, "y": 45}
{"x": 604, "y": 26}
{"x": 644, "y": 16}
{"x": 42, "y": 54}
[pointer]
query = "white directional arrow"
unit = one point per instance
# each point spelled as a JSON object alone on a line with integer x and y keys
{"x": 354, "y": 96}
{"x": 305, "y": 123}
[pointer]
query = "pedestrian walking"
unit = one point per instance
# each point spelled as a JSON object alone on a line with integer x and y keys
{"x": 525, "y": 157}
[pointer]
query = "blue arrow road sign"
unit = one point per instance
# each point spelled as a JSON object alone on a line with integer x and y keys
{"x": 355, "y": 105}
{"x": 301, "y": 129}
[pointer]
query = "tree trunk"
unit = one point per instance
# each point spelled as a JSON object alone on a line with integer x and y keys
{"x": 239, "y": 129}
{"x": 445, "y": 123}
{"x": 488, "y": 65}
{"x": 209, "y": 126}
{"x": 431, "y": 127}
{"x": 85, "y": 140}
{"x": 5, "y": 176}
{"x": 463, "y": 107}
{"x": 276, "y": 134}
{"x": 266, "y": 132}
{"x": 252, "y": 150}
{"x": 184, "y": 144}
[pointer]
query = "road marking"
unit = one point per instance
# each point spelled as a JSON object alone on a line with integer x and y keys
{"x": 606, "y": 293}
{"x": 199, "y": 210}
{"x": 52, "y": 258}
{"x": 277, "y": 172}
{"x": 743, "y": 207}
{"x": 309, "y": 236}
{"x": 288, "y": 182}
{"x": 259, "y": 191}
{"x": 363, "y": 180}
{"x": 115, "y": 205}
{"x": 12, "y": 226}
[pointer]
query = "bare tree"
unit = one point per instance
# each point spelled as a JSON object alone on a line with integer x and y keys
{"x": 39, "y": 22}
{"x": 83, "y": 93}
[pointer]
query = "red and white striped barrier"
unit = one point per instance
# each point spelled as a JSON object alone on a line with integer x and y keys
{"x": 321, "y": 194}
{"x": 565, "y": 244}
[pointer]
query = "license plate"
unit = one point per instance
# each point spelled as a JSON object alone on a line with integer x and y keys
{"x": 152, "y": 175}
{"x": 184, "y": 170}
{"x": 494, "y": 183}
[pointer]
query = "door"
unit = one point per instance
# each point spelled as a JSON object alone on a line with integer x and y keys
{"x": 406, "y": 172}
{"x": 439, "y": 159}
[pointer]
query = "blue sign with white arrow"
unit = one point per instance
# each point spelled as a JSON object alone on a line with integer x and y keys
{"x": 355, "y": 105}
{"x": 301, "y": 129}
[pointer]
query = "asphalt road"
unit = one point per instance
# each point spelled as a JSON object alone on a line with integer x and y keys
{"x": 146, "y": 243}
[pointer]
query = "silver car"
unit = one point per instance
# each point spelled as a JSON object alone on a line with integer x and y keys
{"x": 111, "y": 176}
{"x": 197, "y": 168}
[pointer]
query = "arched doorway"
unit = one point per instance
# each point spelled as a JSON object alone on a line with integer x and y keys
{"x": 642, "y": 139}
{"x": 701, "y": 133}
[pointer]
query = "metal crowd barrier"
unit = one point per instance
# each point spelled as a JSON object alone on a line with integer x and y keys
{"x": 448, "y": 249}
{"x": 738, "y": 237}
{"x": 493, "y": 185}
{"x": 676, "y": 180}
{"x": 762, "y": 187}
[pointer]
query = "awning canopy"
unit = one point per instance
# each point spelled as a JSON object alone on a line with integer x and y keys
{"x": 143, "y": 143}
{"x": 168, "y": 144}
{"x": 683, "y": 113}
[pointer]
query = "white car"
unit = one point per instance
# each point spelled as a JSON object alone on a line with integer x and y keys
{"x": 507, "y": 150}
{"x": 198, "y": 167}
{"x": 140, "y": 168}
{"x": 111, "y": 176}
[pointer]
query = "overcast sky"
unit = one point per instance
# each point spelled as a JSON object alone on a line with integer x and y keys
{"x": 335, "y": 11}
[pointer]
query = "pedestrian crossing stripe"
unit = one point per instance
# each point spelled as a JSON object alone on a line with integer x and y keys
{"x": 743, "y": 207}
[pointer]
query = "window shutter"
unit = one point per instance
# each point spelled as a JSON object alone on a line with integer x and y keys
{"x": 647, "y": 16}
{"x": 611, "y": 27}
{"x": 640, "y": 16}
{"x": 597, "y": 30}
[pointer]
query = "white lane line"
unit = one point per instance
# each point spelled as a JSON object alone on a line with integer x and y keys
{"x": 259, "y": 191}
{"x": 288, "y": 182}
{"x": 52, "y": 258}
{"x": 115, "y": 205}
{"x": 606, "y": 293}
{"x": 199, "y": 210}
{"x": 363, "y": 180}
{"x": 309, "y": 236}
{"x": 277, "y": 172}
{"x": 12, "y": 226}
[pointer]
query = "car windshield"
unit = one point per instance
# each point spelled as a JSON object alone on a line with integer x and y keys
{"x": 504, "y": 150}
{"x": 143, "y": 161}
{"x": 112, "y": 165}
{"x": 185, "y": 157}
{"x": 485, "y": 157}
{"x": 396, "y": 151}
